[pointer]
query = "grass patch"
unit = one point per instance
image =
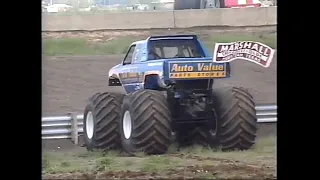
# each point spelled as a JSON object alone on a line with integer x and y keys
{"x": 119, "y": 45}
{"x": 58, "y": 162}
{"x": 81, "y": 46}
{"x": 263, "y": 152}
{"x": 160, "y": 163}
{"x": 69, "y": 162}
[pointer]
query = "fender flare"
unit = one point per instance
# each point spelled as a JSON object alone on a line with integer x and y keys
{"x": 158, "y": 75}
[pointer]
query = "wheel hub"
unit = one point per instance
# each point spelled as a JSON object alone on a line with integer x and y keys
{"x": 213, "y": 132}
{"x": 89, "y": 125}
{"x": 126, "y": 125}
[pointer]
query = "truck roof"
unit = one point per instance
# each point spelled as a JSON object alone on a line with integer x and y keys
{"x": 179, "y": 36}
{"x": 161, "y": 37}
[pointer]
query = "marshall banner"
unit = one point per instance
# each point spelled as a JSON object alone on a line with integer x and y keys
{"x": 255, "y": 52}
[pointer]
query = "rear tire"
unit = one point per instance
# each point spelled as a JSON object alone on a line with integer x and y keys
{"x": 150, "y": 123}
{"x": 236, "y": 121}
{"x": 101, "y": 120}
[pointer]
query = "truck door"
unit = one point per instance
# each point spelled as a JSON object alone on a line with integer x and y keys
{"x": 129, "y": 72}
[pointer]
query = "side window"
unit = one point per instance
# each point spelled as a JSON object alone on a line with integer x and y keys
{"x": 128, "y": 58}
{"x": 136, "y": 55}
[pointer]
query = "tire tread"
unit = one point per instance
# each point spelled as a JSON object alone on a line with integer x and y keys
{"x": 238, "y": 118}
{"x": 106, "y": 108}
{"x": 152, "y": 127}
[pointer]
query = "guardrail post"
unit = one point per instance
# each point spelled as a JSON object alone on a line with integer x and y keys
{"x": 74, "y": 128}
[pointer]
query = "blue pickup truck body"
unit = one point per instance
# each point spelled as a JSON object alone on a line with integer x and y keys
{"x": 139, "y": 70}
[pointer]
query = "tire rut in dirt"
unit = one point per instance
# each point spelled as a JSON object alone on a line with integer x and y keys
{"x": 237, "y": 122}
{"x": 151, "y": 122}
{"x": 105, "y": 108}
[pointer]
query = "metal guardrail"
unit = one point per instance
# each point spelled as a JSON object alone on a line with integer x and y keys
{"x": 63, "y": 127}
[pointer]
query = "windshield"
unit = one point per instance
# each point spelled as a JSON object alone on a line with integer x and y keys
{"x": 174, "y": 48}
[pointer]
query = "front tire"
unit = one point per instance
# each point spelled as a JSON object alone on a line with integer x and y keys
{"x": 145, "y": 124}
{"x": 101, "y": 121}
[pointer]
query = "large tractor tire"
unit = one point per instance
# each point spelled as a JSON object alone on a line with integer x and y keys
{"x": 237, "y": 119}
{"x": 145, "y": 124}
{"x": 101, "y": 121}
{"x": 235, "y": 126}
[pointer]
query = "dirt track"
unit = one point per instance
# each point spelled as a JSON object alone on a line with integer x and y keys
{"x": 69, "y": 81}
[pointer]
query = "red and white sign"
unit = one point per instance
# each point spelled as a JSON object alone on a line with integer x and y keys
{"x": 242, "y": 3}
{"x": 255, "y": 52}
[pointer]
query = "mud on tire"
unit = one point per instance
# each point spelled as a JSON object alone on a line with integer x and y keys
{"x": 105, "y": 111}
{"x": 150, "y": 123}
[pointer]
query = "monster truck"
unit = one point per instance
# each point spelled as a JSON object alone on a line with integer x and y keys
{"x": 169, "y": 83}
